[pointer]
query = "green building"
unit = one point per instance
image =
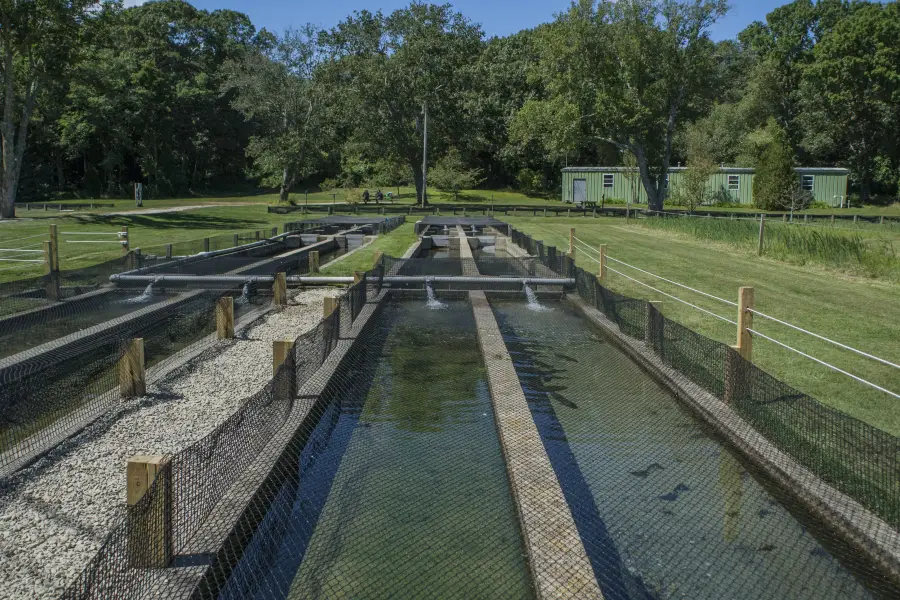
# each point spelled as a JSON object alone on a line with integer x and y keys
{"x": 596, "y": 184}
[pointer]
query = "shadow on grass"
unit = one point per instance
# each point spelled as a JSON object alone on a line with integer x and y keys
{"x": 173, "y": 220}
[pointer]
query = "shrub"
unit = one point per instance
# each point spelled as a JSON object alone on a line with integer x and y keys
{"x": 529, "y": 181}
{"x": 775, "y": 182}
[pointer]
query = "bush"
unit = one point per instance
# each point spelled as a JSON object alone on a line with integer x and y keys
{"x": 818, "y": 205}
{"x": 328, "y": 184}
{"x": 529, "y": 181}
{"x": 775, "y": 183}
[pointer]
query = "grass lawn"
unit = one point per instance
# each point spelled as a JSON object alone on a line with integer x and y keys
{"x": 145, "y": 231}
{"x": 858, "y": 312}
{"x": 394, "y": 243}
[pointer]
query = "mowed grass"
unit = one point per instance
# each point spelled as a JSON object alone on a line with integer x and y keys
{"x": 869, "y": 252}
{"x": 394, "y": 243}
{"x": 145, "y": 231}
{"x": 858, "y": 312}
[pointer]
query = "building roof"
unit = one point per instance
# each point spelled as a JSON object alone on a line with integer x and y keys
{"x": 736, "y": 170}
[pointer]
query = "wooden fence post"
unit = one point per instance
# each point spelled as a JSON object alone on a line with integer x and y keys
{"x": 236, "y": 240}
{"x": 52, "y": 282}
{"x": 168, "y": 251}
{"x": 653, "y": 330}
{"x": 225, "y": 318}
{"x": 274, "y": 231}
{"x": 132, "y": 380}
{"x": 572, "y": 242}
{"x": 206, "y": 244}
{"x": 286, "y": 380}
{"x": 125, "y": 240}
{"x": 735, "y": 368}
{"x": 279, "y": 289}
{"x": 601, "y": 273}
{"x": 762, "y": 230}
{"x": 329, "y": 305}
{"x": 314, "y": 261}
{"x": 54, "y": 247}
{"x": 150, "y": 539}
{"x": 376, "y": 259}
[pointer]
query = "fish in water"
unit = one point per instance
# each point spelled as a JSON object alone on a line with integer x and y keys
{"x": 650, "y": 468}
{"x": 563, "y": 400}
{"x": 561, "y": 356}
{"x": 673, "y": 495}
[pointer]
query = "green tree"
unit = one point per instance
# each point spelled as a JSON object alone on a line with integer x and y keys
{"x": 278, "y": 90}
{"x": 775, "y": 182}
{"x": 850, "y": 92}
{"x": 627, "y": 73}
{"x": 37, "y": 42}
{"x": 450, "y": 174}
{"x": 390, "y": 172}
{"x": 394, "y": 70}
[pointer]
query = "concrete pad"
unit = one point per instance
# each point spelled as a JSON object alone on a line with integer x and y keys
{"x": 559, "y": 564}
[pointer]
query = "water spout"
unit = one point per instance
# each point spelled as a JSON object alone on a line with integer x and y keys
{"x": 143, "y": 297}
{"x": 245, "y": 295}
{"x": 433, "y": 303}
{"x": 533, "y": 302}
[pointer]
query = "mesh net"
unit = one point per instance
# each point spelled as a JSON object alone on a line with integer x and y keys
{"x": 371, "y": 464}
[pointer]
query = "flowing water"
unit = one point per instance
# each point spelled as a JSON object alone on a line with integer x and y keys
{"x": 433, "y": 303}
{"x": 144, "y": 297}
{"x": 402, "y": 487}
{"x": 664, "y": 509}
{"x": 533, "y": 303}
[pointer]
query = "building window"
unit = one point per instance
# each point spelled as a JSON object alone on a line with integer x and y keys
{"x": 734, "y": 183}
{"x": 806, "y": 182}
{"x": 607, "y": 180}
{"x": 666, "y": 184}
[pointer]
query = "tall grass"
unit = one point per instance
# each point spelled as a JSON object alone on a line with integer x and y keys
{"x": 869, "y": 256}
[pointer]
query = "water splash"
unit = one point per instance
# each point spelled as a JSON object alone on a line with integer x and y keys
{"x": 245, "y": 295}
{"x": 433, "y": 303}
{"x": 143, "y": 297}
{"x": 533, "y": 302}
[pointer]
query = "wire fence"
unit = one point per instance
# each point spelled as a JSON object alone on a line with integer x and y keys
{"x": 854, "y": 457}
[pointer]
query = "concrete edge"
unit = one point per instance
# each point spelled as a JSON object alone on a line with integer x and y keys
{"x": 859, "y": 527}
{"x": 559, "y": 564}
{"x": 20, "y": 320}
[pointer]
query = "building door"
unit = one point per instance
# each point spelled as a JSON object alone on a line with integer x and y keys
{"x": 579, "y": 191}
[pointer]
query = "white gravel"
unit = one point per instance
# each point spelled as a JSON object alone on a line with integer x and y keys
{"x": 53, "y": 522}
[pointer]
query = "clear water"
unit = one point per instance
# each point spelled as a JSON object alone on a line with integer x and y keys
{"x": 402, "y": 488}
{"x": 664, "y": 509}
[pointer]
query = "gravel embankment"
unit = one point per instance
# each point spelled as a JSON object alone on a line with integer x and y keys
{"x": 53, "y": 522}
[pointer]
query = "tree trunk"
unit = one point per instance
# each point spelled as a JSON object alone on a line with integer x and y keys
{"x": 285, "y": 186}
{"x": 417, "y": 180}
{"x": 654, "y": 199}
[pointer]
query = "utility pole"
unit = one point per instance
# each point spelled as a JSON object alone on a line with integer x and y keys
{"x": 424, "y": 152}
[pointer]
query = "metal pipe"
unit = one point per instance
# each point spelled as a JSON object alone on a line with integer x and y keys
{"x": 325, "y": 280}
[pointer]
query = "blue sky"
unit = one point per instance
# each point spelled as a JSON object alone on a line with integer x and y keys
{"x": 497, "y": 17}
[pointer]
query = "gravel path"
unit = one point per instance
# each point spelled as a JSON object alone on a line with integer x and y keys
{"x": 52, "y": 524}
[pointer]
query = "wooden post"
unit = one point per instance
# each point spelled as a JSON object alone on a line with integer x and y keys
{"x": 832, "y": 219}
{"x": 545, "y": 212}
{"x": 279, "y": 289}
{"x": 805, "y": 218}
{"x": 132, "y": 381}
{"x": 206, "y": 244}
{"x": 762, "y": 230}
{"x": 376, "y": 259}
{"x": 281, "y": 354}
{"x": 236, "y": 240}
{"x": 225, "y": 318}
{"x": 274, "y": 231}
{"x": 881, "y": 220}
{"x": 168, "y": 251}
{"x": 357, "y": 276}
{"x": 150, "y": 539}
{"x": 52, "y": 282}
{"x": 601, "y": 273}
{"x": 258, "y": 235}
{"x": 329, "y": 305}
{"x": 784, "y": 218}
{"x": 54, "y": 248}
{"x": 745, "y": 321}
{"x": 314, "y": 261}
{"x": 136, "y": 259}
{"x": 125, "y": 241}
{"x": 572, "y": 242}
{"x": 653, "y": 330}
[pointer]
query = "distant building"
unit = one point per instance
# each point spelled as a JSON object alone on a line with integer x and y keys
{"x": 591, "y": 184}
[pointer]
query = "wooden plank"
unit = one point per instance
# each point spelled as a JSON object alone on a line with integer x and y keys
{"x": 329, "y": 305}
{"x": 225, "y": 318}
{"x": 132, "y": 379}
{"x": 745, "y": 322}
{"x": 150, "y": 538}
{"x": 279, "y": 289}
{"x": 314, "y": 261}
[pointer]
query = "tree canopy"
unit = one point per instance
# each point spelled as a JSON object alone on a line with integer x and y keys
{"x": 187, "y": 101}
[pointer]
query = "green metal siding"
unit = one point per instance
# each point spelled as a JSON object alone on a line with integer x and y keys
{"x": 828, "y": 187}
